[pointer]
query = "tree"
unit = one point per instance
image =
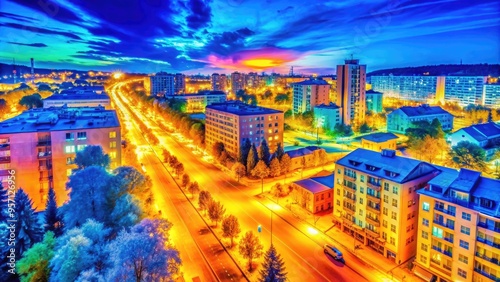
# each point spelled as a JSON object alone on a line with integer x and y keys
{"x": 261, "y": 170}
{"x": 364, "y": 128}
{"x": 316, "y": 157}
{"x": 490, "y": 116}
{"x": 179, "y": 169}
{"x": 215, "y": 211}
{"x": 143, "y": 253}
{"x": 277, "y": 190}
{"x": 273, "y": 267}
{"x": 92, "y": 155}
{"x": 323, "y": 157}
{"x": 204, "y": 198}
{"x": 172, "y": 161}
{"x": 303, "y": 164}
{"x": 31, "y": 101}
{"x": 264, "y": 153}
{"x": 279, "y": 152}
{"x": 34, "y": 266}
{"x": 166, "y": 155}
{"x": 193, "y": 188}
{"x": 429, "y": 148}
{"x": 285, "y": 164}
{"x": 185, "y": 180}
{"x": 250, "y": 247}
{"x": 52, "y": 219}
{"x": 244, "y": 150}
{"x": 274, "y": 167}
{"x": 252, "y": 159}
{"x": 230, "y": 228}
{"x": 27, "y": 228}
{"x": 468, "y": 155}
{"x": 217, "y": 149}
{"x": 239, "y": 170}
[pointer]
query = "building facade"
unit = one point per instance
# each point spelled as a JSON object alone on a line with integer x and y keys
{"x": 41, "y": 144}
{"x": 328, "y": 116}
{"x": 491, "y": 95}
{"x": 78, "y": 100}
{"x": 310, "y": 93}
{"x": 197, "y": 102}
{"x": 459, "y": 227}
{"x": 401, "y": 119}
{"x": 233, "y": 122}
{"x": 464, "y": 90}
{"x": 485, "y": 135}
{"x": 237, "y": 82}
{"x": 379, "y": 141}
{"x": 420, "y": 88}
{"x": 351, "y": 93}
{"x": 161, "y": 84}
{"x": 374, "y": 101}
{"x": 179, "y": 83}
{"x": 315, "y": 194}
{"x": 376, "y": 200}
{"x": 219, "y": 82}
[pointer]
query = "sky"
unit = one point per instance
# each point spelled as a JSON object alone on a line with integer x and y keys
{"x": 198, "y": 36}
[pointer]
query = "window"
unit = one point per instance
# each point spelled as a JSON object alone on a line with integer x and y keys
{"x": 338, "y": 192}
{"x": 81, "y": 135}
{"x": 384, "y": 223}
{"x": 338, "y": 203}
{"x": 425, "y": 235}
{"x": 394, "y": 215}
{"x": 80, "y": 147}
{"x": 112, "y": 155}
{"x": 384, "y": 235}
{"x": 463, "y": 259}
{"x": 385, "y": 211}
{"x": 423, "y": 247}
{"x": 452, "y": 210}
{"x": 464, "y": 244}
{"x": 361, "y": 212}
{"x": 70, "y": 160}
{"x": 395, "y": 190}
{"x": 423, "y": 259}
{"x": 386, "y": 186}
{"x": 70, "y": 136}
{"x": 466, "y": 216}
{"x": 338, "y": 171}
{"x": 393, "y": 228}
{"x": 394, "y": 203}
{"x": 462, "y": 273}
{"x": 465, "y": 230}
{"x": 362, "y": 178}
{"x": 112, "y": 144}
{"x": 361, "y": 189}
{"x": 112, "y": 134}
{"x": 437, "y": 232}
{"x": 393, "y": 241}
{"x": 425, "y": 206}
{"x": 425, "y": 222}
{"x": 386, "y": 199}
{"x": 69, "y": 149}
{"x": 69, "y": 171}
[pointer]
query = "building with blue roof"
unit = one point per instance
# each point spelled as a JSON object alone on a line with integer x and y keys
{"x": 459, "y": 226}
{"x": 401, "y": 119}
{"x": 379, "y": 141}
{"x": 328, "y": 116}
{"x": 303, "y": 156}
{"x": 376, "y": 200}
{"x": 309, "y": 93}
{"x": 485, "y": 135}
{"x": 374, "y": 101}
{"x": 74, "y": 99}
{"x": 316, "y": 193}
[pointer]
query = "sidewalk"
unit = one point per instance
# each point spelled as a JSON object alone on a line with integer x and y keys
{"x": 388, "y": 270}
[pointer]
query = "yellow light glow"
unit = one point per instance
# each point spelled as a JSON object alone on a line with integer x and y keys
{"x": 117, "y": 75}
{"x": 312, "y": 231}
{"x": 262, "y": 63}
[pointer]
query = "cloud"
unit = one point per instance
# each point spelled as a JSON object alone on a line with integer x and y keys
{"x": 40, "y": 30}
{"x": 200, "y": 14}
{"x": 39, "y": 45}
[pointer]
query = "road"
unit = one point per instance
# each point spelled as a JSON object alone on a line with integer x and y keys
{"x": 301, "y": 248}
{"x": 202, "y": 255}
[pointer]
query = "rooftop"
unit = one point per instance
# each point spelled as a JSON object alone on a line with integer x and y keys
{"x": 302, "y": 151}
{"x": 386, "y": 164}
{"x": 423, "y": 110}
{"x": 312, "y": 82}
{"x": 380, "y": 137}
{"x": 329, "y": 106}
{"x": 483, "y": 131}
{"x": 373, "y": 92}
{"x": 317, "y": 184}
{"x": 201, "y": 93}
{"x": 241, "y": 109}
{"x": 469, "y": 182}
{"x": 74, "y": 96}
{"x": 57, "y": 119}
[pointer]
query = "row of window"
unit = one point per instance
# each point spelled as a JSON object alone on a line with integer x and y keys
{"x": 70, "y": 136}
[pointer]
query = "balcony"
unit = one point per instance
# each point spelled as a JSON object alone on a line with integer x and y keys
{"x": 491, "y": 227}
{"x": 448, "y": 253}
{"x": 5, "y": 159}
{"x": 443, "y": 210}
{"x": 5, "y": 147}
{"x": 371, "y": 233}
{"x": 351, "y": 200}
{"x": 350, "y": 178}
{"x": 350, "y": 189}
{"x": 350, "y": 210}
{"x": 44, "y": 155}
{"x": 444, "y": 224}
{"x": 45, "y": 168}
{"x": 374, "y": 186}
{"x": 43, "y": 142}
{"x": 488, "y": 242}
{"x": 486, "y": 274}
{"x": 45, "y": 178}
{"x": 373, "y": 221}
{"x": 347, "y": 221}
{"x": 373, "y": 198}
{"x": 448, "y": 239}
{"x": 492, "y": 260}
{"x": 373, "y": 209}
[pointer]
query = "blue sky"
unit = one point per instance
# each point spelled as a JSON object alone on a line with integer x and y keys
{"x": 206, "y": 36}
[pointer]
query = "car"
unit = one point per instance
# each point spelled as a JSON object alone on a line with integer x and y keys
{"x": 334, "y": 252}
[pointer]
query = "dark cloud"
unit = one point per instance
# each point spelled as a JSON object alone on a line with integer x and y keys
{"x": 227, "y": 42}
{"x": 39, "y": 45}
{"x": 16, "y": 17}
{"x": 201, "y": 14}
{"x": 35, "y": 29}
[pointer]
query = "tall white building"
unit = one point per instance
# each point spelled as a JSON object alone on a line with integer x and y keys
{"x": 491, "y": 95}
{"x": 161, "y": 84}
{"x": 464, "y": 90}
{"x": 310, "y": 93}
{"x": 351, "y": 92}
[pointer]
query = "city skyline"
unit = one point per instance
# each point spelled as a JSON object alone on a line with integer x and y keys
{"x": 198, "y": 36}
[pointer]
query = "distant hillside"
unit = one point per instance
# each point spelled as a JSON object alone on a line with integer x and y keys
{"x": 477, "y": 69}
{"x": 6, "y": 69}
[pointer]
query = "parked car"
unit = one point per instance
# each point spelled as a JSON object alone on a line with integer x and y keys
{"x": 334, "y": 252}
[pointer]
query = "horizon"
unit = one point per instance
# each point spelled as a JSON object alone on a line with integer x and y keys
{"x": 197, "y": 36}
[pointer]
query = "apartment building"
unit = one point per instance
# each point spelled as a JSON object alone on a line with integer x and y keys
{"x": 315, "y": 193}
{"x": 160, "y": 84}
{"x": 41, "y": 144}
{"x": 491, "y": 95}
{"x": 233, "y": 121}
{"x": 237, "y": 82}
{"x": 86, "y": 99}
{"x": 485, "y": 135}
{"x": 379, "y": 141}
{"x": 328, "y": 116}
{"x": 422, "y": 88}
{"x": 196, "y": 102}
{"x": 459, "y": 228}
{"x": 219, "y": 82}
{"x": 310, "y": 93}
{"x": 179, "y": 83}
{"x": 464, "y": 90}
{"x": 376, "y": 201}
{"x": 374, "y": 101}
{"x": 351, "y": 91}
{"x": 401, "y": 119}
